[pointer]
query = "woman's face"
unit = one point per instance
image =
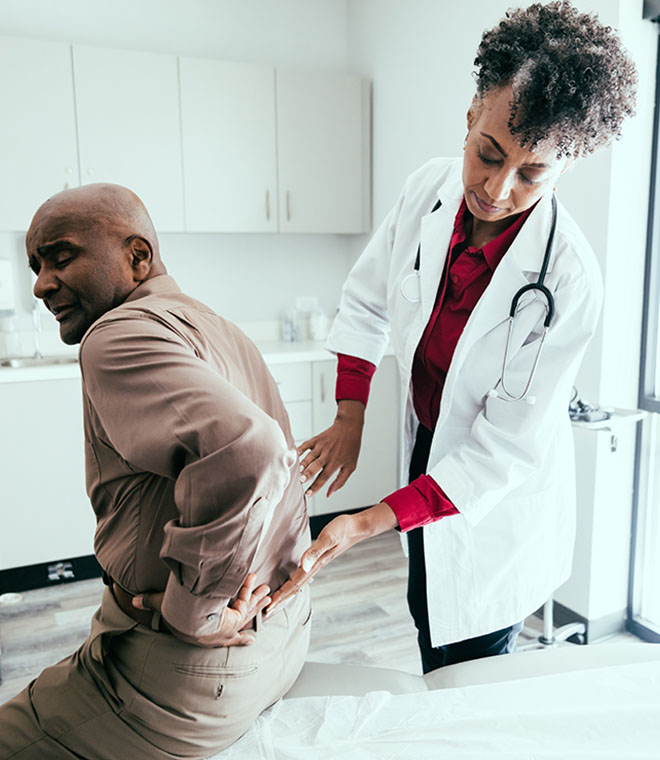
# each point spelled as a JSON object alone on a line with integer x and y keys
{"x": 501, "y": 178}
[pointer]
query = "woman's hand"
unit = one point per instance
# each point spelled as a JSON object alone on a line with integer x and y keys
{"x": 233, "y": 631}
{"x": 337, "y": 536}
{"x": 336, "y": 448}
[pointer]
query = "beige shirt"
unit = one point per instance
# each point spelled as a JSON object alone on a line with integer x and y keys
{"x": 191, "y": 465}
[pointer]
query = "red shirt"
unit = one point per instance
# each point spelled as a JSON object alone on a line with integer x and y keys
{"x": 466, "y": 276}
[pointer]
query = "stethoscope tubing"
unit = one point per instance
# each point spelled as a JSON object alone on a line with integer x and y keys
{"x": 412, "y": 281}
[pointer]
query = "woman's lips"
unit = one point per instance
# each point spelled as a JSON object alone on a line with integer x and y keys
{"x": 486, "y": 207}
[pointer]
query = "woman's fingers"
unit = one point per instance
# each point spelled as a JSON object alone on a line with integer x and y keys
{"x": 321, "y": 479}
{"x": 344, "y": 474}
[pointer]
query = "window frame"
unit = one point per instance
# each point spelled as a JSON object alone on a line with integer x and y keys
{"x": 649, "y": 393}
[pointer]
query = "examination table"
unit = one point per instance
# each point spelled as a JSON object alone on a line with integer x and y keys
{"x": 570, "y": 702}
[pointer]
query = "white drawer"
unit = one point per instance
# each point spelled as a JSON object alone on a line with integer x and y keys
{"x": 294, "y": 380}
{"x": 300, "y": 414}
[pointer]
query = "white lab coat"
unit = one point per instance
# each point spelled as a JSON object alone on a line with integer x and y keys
{"x": 508, "y": 467}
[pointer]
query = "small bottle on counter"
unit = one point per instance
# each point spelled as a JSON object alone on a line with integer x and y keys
{"x": 319, "y": 324}
{"x": 291, "y": 325}
{"x": 10, "y": 343}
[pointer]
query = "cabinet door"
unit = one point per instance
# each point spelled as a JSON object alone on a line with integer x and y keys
{"x": 377, "y": 470}
{"x": 39, "y": 154}
{"x": 229, "y": 146}
{"x": 45, "y": 512}
{"x": 129, "y": 127}
{"x": 323, "y": 152}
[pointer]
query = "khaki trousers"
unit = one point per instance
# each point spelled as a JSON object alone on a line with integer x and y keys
{"x": 130, "y": 693}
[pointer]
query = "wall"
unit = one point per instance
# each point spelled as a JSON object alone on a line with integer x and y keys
{"x": 420, "y": 58}
{"x": 249, "y": 278}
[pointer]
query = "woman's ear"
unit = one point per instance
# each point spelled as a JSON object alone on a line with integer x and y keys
{"x": 473, "y": 112}
{"x": 569, "y": 163}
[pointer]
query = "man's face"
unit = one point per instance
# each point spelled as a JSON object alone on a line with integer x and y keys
{"x": 82, "y": 268}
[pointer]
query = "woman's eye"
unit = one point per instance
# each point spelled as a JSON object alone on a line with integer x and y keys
{"x": 486, "y": 160}
{"x": 528, "y": 180}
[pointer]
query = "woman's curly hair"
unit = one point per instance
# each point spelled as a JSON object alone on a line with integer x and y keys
{"x": 573, "y": 83}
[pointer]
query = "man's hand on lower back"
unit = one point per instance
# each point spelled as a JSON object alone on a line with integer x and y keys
{"x": 236, "y": 619}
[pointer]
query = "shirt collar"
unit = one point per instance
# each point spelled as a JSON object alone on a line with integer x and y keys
{"x": 494, "y": 251}
{"x": 161, "y": 283}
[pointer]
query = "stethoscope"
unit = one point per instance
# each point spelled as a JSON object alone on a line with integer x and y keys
{"x": 411, "y": 291}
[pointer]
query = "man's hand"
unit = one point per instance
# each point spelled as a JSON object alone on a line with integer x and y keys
{"x": 236, "y": 617}
{"x": 336, "y": 448}
{"x": 337, "y": 536}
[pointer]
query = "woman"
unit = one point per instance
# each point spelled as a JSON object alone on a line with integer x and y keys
{"x": 490, "y": 508}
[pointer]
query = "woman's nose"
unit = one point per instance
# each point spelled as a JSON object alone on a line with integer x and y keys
{"x": 499, "y": 184}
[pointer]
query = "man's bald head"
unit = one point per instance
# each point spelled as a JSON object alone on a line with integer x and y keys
{"x": 90, "y": 247}
{"x": 109, "y": 209}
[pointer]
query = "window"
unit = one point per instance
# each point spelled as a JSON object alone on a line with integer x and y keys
{"x": 644, "y": 598}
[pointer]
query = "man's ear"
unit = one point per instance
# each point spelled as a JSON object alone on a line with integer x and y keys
{"x": 141, "y": 257}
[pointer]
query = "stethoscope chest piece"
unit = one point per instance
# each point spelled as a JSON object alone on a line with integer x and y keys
{"x": 411, "y": 287}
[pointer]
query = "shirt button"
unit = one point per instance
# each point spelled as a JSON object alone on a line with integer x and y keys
{"x": 455, "y": 279}
{"x": 212, "y": 616}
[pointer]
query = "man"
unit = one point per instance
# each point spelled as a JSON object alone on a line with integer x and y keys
{"x": 189, "y": 460}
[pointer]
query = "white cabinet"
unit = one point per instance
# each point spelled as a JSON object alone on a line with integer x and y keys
{"x": 38, "y": 153}
{"x": 44, "y": 510}
{"x": 308, "y": 391}
{"x": 323, "y": 137}
{"x": 127, "y": 106}
{"x": 229, "y": 146}
{"x": 377, "y": 472}
{"x": 294, "y": 381}
{"x": 257, "y": 149}
{"x": 245, "y": 125}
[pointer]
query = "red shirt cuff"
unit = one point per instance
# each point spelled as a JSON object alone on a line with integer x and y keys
{"x": 353, "y": 378}
{"x": 420, "y": 503}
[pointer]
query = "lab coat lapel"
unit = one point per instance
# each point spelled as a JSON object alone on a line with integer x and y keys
{"x": 435, "y": 236}
{"x": 520, "y": 266}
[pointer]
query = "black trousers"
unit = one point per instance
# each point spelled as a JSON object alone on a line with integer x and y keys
{"x": 498, "y": 642}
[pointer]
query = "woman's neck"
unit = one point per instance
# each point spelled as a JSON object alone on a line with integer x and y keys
{"x": 479, "y": 233}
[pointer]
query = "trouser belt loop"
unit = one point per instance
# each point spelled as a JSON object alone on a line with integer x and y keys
{"x": 155, "y": 621}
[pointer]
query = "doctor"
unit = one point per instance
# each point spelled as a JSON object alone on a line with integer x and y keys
{"x": 490, "y": 505}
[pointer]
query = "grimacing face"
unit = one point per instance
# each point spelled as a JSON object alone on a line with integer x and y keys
{"x": 82, "y": 270}
{"x": 500, "y": 177}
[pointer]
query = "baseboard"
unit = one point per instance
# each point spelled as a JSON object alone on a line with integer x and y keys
{"x": 49, "y": 574}
{"x": 596, "y": 629}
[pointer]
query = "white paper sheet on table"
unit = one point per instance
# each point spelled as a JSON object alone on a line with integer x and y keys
{"x": 611, "y": 712}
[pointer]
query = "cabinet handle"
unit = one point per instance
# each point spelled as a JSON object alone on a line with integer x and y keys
{"x": 268, "y": 205}
{"x": 322, "y": 388}
{"x": 90, "y": 172}
{"x": 288, "y": 206}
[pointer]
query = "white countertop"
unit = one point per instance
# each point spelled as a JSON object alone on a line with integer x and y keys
{"x": 274, "y": 352}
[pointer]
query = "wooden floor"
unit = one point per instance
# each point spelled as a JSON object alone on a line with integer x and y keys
{"x": 360, "y": 617}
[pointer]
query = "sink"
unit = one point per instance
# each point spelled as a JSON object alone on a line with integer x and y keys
{"x": 21, "y": 362}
